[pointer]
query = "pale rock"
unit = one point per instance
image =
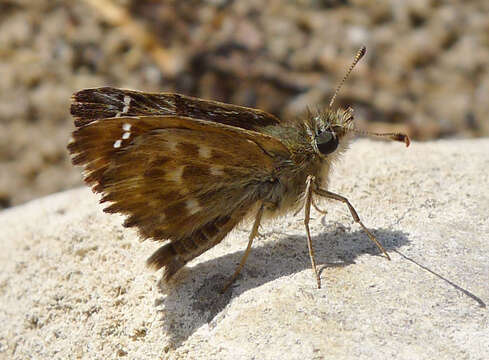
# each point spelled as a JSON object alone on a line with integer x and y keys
{"x": 74, "y": 284}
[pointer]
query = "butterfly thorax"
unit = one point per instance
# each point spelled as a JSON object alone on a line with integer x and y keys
{"x": 301, "y": 139}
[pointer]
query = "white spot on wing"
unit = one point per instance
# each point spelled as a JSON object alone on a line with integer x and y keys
{"x": 127, "y": 104}
{"x": 193, "y": 206}
{"x": 126, "y": 135}
{"x": 117, "y": 144}
{"x": 125, "y": 109}
{"x": 126, "y": 127}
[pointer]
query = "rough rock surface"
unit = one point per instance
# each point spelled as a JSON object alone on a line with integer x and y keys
{"x": 73, "y": 282}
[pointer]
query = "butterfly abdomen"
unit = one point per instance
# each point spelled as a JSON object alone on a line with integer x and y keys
{"x": 167, "y": 257}
{"x": 175, "y": 254}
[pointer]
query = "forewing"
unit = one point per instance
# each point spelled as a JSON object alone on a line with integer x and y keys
{"x": 109, "y": 102}
{"x": 172, "y": 175}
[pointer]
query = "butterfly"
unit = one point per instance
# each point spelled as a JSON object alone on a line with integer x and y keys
{"x": 186, "y": 171}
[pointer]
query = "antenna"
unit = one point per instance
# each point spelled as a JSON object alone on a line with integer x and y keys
{"x": 357, "y": 58}
{"x": 393, "y": 136}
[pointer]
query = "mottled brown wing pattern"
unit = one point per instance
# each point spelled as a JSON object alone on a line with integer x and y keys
{"x": 106, "y": 102}
{"x": 185, "y": 180}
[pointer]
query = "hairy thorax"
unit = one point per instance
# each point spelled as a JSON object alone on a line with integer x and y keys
{"x": 288, "y": 190}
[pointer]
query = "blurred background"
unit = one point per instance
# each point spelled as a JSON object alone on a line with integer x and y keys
{"x": 426, "y": 71}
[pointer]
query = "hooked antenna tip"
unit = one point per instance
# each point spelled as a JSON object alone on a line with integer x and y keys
{"x": 402, "y": 138}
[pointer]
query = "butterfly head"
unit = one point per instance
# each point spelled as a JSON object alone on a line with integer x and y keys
{"x": 332, "y": 126}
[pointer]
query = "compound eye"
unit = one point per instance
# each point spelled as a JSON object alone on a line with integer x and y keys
{"x": 326, "y": 142}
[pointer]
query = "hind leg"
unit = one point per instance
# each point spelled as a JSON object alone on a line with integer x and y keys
{"x": 330, "y": 195}
{"x": 307, "y": 213}
{"x": 253, "y": 234}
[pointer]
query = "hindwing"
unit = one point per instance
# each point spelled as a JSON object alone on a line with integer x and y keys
{"x": 172, "y": 175}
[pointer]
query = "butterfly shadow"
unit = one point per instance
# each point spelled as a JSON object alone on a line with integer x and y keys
{"x": 195, "y": 298}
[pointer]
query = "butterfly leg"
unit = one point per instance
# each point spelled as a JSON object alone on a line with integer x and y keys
{"x": 324, "y": 212}
{"x": 330, "y": 195}
{"x": 307, "y": 213}
{"x": 253, "y": 234}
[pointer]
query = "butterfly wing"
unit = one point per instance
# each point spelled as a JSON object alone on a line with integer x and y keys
{"x": 186, "y": 180}
{"x": 106, "y": 102}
